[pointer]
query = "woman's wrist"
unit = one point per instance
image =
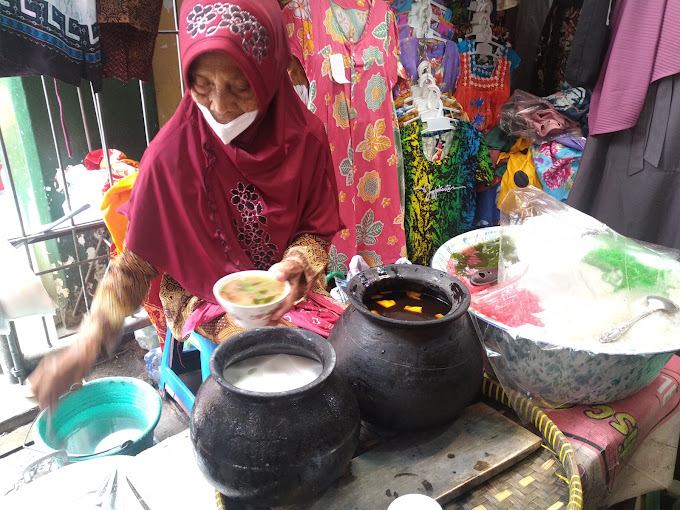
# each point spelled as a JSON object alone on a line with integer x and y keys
{"x": 94, "y": 337}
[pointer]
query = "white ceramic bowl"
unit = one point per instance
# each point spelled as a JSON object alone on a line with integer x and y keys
{"x": 414, "y": 502}
{"x": 254, "y": 316}
{"x": 442, "y": 258}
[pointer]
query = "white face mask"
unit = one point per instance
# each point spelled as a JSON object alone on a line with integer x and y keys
{"x": 227, "y": 132}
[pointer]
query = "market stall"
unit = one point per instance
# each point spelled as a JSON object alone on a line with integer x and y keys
{"x": 368, "y": 176}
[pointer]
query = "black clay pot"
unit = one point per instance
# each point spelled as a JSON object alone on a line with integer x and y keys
{"x": 272, "y": 449}
{"x": 406, "y": 374}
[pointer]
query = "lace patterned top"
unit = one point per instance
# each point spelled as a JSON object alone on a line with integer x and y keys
{"x": 483, "y": 89}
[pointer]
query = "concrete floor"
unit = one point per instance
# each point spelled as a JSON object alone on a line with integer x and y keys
{"x": 17, "y": 411}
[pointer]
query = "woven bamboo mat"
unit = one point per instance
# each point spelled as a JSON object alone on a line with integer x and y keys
{"x": 532, "y": 484}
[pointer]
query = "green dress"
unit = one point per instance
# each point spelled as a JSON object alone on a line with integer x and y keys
{"x": 440, "y": 195}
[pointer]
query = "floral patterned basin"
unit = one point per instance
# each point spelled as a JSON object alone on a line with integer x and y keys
{"x": 560, "y": 375}
{"x": 555, "y": 374}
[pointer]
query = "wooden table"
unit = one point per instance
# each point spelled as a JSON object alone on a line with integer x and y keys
{"x": 167, "y": 477}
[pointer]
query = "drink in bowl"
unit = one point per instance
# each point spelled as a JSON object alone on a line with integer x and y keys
{"x": 250, "y": 297}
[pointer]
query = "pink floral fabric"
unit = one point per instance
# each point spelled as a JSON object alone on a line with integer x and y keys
{"x": 556, "y": 166}
{"x": 359, "y": 119}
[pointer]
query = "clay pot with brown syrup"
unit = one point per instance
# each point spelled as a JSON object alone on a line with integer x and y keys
{"x": 408, "y": 372}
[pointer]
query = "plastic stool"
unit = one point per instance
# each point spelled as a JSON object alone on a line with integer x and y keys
{"x": 178, "y": 361}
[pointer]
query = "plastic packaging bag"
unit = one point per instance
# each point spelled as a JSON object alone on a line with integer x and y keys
{"x": 147, "y": 338}
{"x": 21, "y": 292}
{"x": 153, "y": 363}
{"x": 564, "y": 280}
{"x": 535, "y": 118}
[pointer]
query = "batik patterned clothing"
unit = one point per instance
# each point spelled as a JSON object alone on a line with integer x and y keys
{"x": 483, "y": 89}
{"x": 132, "y": 273}
{"x": 128, "y": 32}
{"x": 440, "y": 195}
{"x": 359, "y": 119}
{"x": 58, "y": 38}
{"x": 554, "y": 46}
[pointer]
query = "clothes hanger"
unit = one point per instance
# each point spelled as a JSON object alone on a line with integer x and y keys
{"x": 438, "y": 123}
{"x": 485, "y": 6}
{"x": 482, "y": 31}
{"x": 433, "y": 36}
{"x": 433, "y": 113}
{"x": 425, "y": 79}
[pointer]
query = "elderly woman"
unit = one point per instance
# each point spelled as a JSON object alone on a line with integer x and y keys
{"x": 239, "y": 178}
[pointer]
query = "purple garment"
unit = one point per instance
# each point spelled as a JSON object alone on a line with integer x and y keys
{"x": 578, "y": 143}
{"x": 404, "y": 31}
{"x": 445, "y": 72}
{"x": 644, "y": 48}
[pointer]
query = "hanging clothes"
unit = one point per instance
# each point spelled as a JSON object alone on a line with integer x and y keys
{"x": 442, "y": 56}
{"x": 358, "y": 115}
{"x": 644, "y": 48}
{"x": 630, "y": 179}
{"x": 589, "y": 44}
{"x": 440, "y": 194}
{"x": 128, "y": 30}
{"x": 483, "y": 89}
{"x": 57, "y": 38}
{"x": 554, "y": 46}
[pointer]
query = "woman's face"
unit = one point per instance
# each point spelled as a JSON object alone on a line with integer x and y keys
{"x": 219, "y": 84}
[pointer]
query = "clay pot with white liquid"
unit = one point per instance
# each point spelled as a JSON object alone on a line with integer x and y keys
{"x": 268, "y": 447}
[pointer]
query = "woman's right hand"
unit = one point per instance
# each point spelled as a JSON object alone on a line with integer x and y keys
{"x": 297, "y": 74}
{"x": 56, "y": 373}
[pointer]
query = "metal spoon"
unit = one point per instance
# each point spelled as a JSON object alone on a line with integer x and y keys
{"x": 654, "y": 304}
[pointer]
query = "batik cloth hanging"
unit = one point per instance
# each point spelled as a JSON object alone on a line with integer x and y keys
{"x": 129, "y": 29}
{"x": 349, "y": 49}
{"x": 58, "y": 38}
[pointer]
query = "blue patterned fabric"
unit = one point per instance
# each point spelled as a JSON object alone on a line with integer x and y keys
{"x": 58, "y": 38}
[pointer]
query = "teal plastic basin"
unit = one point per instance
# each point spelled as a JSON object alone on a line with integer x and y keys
{"x": 110, "y": 416}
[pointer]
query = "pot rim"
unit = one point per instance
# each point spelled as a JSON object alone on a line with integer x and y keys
{"x": 408, "y": 272}
{"x": 510, "y": 334}
{"x": 258, "y": 342}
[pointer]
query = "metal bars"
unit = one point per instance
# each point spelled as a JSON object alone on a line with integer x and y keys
{"x": 63, "y": 176}
{"x": 72, "y": 229}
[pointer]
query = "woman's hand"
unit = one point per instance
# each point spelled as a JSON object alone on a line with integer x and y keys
{"x": 291, "y": 271}
{"x": 56, "y": 373}
{"x": 297, "y": 74}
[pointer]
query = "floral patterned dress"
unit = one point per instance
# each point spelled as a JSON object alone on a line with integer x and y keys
{"x": 358, "y": 116}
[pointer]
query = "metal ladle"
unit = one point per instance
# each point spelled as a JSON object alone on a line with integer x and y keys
{"x": 654, "y": 304}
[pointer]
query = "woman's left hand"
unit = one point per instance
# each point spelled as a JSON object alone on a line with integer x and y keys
{"x": 291, "y": 271}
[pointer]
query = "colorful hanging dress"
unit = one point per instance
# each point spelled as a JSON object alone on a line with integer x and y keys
{"x": 358, "y": 116}
{"x": 483, "y": 89}
{"x": 440, "y": 195}
{"x": 443, "y": 57}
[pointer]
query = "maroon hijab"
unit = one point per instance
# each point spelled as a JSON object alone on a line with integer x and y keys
{"x": 201, "y": 209}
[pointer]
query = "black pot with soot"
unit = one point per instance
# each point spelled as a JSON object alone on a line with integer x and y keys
{"x": 274, "y": 449}
{"x": 408, "y": 374}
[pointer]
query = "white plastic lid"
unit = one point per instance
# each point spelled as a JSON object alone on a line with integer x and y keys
{"x": 414, "y": 502}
